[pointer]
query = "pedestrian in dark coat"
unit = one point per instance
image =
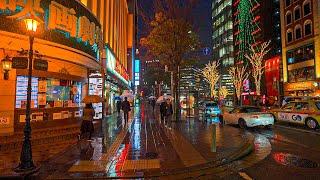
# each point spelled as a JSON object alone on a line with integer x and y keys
{"x": 118, "y": 107}
{"x": 169, "y": 109}
{"x": 125, "y": 105}
{"x": 163, "y": 110}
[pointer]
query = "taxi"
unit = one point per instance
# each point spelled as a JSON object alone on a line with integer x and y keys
{"x": 300, "y": 112}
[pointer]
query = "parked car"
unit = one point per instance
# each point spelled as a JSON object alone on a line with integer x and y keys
{"x": 248, "y": 116}
{"x": 300, "y": 112}
{"x": 211, "y": 109}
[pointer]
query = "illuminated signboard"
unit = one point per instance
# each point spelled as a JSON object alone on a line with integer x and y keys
{"x": 137, "y": 72}
{"x": 65, "y": 22}
{"x": 114, "y": 67}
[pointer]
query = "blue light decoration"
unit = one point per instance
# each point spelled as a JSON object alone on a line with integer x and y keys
{"x": 290, "y": 60}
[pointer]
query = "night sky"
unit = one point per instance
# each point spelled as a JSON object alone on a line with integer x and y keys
{"x": 202, "y": 22}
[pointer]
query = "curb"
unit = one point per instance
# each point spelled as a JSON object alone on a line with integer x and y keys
{"x": 297, "y": 129}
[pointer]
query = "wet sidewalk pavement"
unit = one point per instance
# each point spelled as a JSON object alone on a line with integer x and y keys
{"x": 146, "y": 147}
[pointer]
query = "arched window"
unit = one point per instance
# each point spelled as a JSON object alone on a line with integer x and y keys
{"x": 298, "y": 32}
{"x": 308, "y": 27}
{"x": 306, "y": 7}
{"x": 289, "y": 35}
{"x": 288, "y": 18}
{"x": 297, "y": 13}
{"x": 288, "y": 2}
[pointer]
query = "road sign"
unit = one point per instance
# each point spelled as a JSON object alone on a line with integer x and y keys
{"x": 19, "y": 62}
{"x": 206, "y": 51}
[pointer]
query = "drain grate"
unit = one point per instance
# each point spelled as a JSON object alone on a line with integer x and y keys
{"x": 151, "y": 155}
{"x": 293, "y": 160}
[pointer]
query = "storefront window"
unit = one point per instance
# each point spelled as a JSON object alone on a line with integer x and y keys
{"x": 301, "y": 74}
{"x": 300, "y": 54}
{"x": 48, "y": 93}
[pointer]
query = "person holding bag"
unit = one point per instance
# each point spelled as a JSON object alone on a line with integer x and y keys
{"x": 87, "y": 124}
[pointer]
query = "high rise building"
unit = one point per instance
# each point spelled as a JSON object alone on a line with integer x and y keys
{"x": 300, "y": 47}
{"x": 223, "y": 39}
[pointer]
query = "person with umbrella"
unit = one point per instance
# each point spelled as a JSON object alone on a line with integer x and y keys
{"x": 125, "y": 105}
{"x": 87, "y": 125}
{"x": 88, "y": 113}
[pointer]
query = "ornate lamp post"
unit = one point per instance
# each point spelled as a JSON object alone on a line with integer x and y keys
{"x": 26, "y": 162}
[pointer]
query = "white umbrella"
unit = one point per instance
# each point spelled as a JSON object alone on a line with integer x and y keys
{"x": 128, "y": 95}
{"x": 163, "y": 98}
{"x": 152, "y": 97}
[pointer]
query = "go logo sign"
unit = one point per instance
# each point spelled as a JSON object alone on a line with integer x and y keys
{"x": 296, "y": 117}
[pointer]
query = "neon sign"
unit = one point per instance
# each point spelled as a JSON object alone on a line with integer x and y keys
{"x": 73, "y": 21}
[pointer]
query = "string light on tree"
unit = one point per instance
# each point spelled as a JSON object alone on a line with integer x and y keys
{"x": 223, "y": 92}
{"x": 211, "y": 75}
{"x": 255, "y": 58}
{"x": 238, "y": 75}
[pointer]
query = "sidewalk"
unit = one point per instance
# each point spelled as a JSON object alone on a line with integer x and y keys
{"x": 146, "y": 148}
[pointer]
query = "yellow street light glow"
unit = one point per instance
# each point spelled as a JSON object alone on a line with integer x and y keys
{"x": 31, "y": 24}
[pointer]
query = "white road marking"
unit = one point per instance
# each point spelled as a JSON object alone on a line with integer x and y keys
{"x": 245, "y": 176}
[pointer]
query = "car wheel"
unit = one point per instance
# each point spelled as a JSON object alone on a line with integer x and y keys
{"x": 274, "y": 118}
{"x": 242, "y": 123}
{"x": 311, "y": 123}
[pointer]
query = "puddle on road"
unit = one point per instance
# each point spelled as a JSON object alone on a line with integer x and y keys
{"x": 287, "y": 159}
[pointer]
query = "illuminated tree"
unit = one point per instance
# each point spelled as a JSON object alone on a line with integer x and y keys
{"x": 255, "y": 58}
{"x": 238, "y": 75}
{"x": 223, "y": 92}
{"x": 172, "y": 41}
{"x": 211, "y": 75}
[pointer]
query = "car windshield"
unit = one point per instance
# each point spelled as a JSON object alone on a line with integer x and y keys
{"x": 211, "y": 104}
{"x": 251, "y": 109}
{"x": 318, "y": 104}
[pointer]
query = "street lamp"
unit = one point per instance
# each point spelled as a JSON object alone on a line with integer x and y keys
{"x": 26, "y": 162}
{"x": 6, "y": 66}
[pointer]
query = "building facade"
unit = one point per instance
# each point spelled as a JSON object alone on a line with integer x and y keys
{"x": 300, "y": 47}
{"x": 83, "y": 45}
{"x": 223, "y": 40}
{"x": 252, "y": 24}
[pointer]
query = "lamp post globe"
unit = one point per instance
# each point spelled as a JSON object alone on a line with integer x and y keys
{"x": 6, "y": 66}
{"x": 26, "y": 162}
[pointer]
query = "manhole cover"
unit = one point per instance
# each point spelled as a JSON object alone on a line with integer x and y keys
{"x": 151, "y": 155}
{"x": 293, "y": 160}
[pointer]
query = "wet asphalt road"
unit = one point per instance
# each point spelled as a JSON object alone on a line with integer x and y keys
{"x": 280, "y": 153}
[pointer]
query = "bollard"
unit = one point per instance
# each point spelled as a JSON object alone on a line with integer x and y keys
{"x": 213, "y": 141}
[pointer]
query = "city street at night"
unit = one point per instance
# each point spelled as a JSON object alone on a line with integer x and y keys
{"x": 160, "y": 89}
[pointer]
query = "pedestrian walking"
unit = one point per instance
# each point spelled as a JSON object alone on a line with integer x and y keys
{"x": 125, "y": 105}
{"x": 153, "y": 103}
{"x": 169, "y": 109}
{"x": 87, "y": 118}
{"x": 118, "y": 106}
{"x": 163, "y": 110}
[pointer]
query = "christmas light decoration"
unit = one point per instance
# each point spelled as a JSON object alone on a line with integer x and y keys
{"x": 223, "y": 92}
{"x": 238, "y": 75}
{"x": 255, "y": 58}
{"x": 248, "y": 24}
{"x": 211, "y": 75}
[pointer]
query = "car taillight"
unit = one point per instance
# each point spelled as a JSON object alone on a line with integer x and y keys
{"x": 254, "y": 116}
